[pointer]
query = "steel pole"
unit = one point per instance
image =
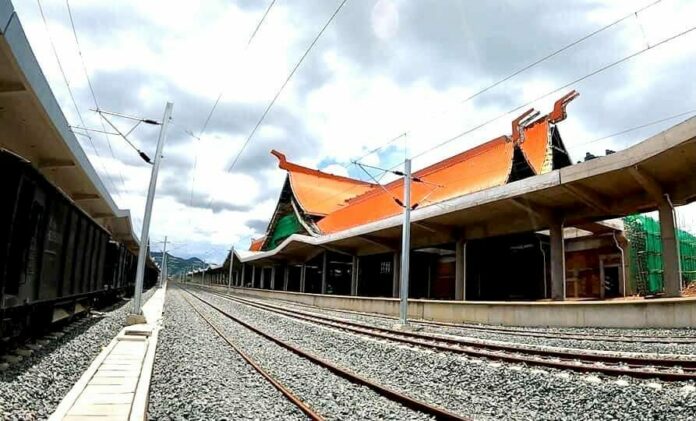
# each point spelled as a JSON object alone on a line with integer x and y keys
{"x": 142, "y": 254}
{"x": 163, "y": 277}
{"x": 229, "y": 278}
{"x": 405, "y": 244}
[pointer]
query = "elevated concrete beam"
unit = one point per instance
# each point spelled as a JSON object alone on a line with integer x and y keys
{"x": 12, "y": 88}
{"x": 589, "y": 197}
{"x": 445, "y": 230}
{"x": 540, "y": 213}
{"x": 56, "y": 163}
{"x": 340, "y": 250}
{"x": 79, "y": 197}
{"x": 389, "y": 245}
{"x": 649, "y": 184}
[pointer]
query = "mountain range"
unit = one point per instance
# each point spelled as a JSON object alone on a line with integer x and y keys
{"x": 177, "y": 265}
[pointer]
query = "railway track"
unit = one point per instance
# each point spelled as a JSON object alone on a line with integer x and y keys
{"x": 306, "y": 409}
{"x": 512, "y": 331}
{"x": 414, "y": 404}
{"x": 616, "y": 364}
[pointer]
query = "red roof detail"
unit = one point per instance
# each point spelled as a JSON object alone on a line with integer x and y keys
{"x": 256, "y": 244}
{"x": 320, "y": 193}
{"x": 484, "y": 166}
{"x": 535, "y": 145}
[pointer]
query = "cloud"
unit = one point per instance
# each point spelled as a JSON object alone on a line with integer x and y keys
{"x": 383, "y": 68}
{"x": 257, "y": 225}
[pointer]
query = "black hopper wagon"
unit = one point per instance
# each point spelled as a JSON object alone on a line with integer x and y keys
{"x": 55, "y": 261}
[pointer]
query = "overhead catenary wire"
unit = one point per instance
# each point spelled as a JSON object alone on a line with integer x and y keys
{"x": 217, "y": 102}
{"x": 91, "y": 88}
{"x": 556, "y": 90}
{"x": 580, "y": 79}
{"x": 285, "y": 83}
{"x": 72, "y": 98}
{"x": 586, "y": 76}
{"x": 527, "y": 67}
{"x": 401, "y": 174}
{"x": 282, "y": 87}
{"x": 142, "y": 154}
{"x": 634, "y": 128}
{"x": 484, "y": 171}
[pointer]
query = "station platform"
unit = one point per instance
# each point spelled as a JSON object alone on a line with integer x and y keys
{"x": 640, "y": 313}
{"x": 116, "y": 385}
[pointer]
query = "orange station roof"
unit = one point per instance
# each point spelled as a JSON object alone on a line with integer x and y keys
{"x": 346, "y": 203}
{"x": 535, "y": 146}
{"x": 320, "y": 193}
{"x": 484, "y": 166}
{"x": 256, "y": 244}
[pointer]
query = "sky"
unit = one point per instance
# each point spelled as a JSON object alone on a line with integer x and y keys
{"x": 383, "y": 69}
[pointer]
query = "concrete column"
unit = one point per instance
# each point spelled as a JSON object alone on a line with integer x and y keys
{"x": 263, "y": 277}
{"x": 670, "y": 251}
{"x": 273, "y": 276}
{"x": 460, "y": 271}
{"x": 303, "y": 278}
{"x": 396, "y": 272}
{"x": 286, "y": 277}
{"x": 354, "y": 271}
{"x": 324, "y": 272}
{"x": 557, "y": 261}
{"x": 253, "y": 276}
{"x": 243, "y": 276}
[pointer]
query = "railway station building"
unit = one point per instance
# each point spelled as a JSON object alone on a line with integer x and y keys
{"x": 511, "y": 219}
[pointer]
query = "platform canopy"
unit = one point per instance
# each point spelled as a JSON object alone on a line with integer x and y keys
{"x": 33, "y": 126}
{"x": 631, "y": 181}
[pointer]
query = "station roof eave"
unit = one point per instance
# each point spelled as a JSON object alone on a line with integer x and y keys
{"x": 33, "y": 126}
{"x": 626, "y": 182}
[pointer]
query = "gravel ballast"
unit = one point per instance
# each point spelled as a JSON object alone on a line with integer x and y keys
{"x": 197, "y": 376}
{"x": 331, "y": 396}
{"x": 536, "y": 341}
{"x": 33, "y": 388}
{"x": 480, "y": 388}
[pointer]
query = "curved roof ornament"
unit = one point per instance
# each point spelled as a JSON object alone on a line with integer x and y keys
{"x": 559, "y": 107}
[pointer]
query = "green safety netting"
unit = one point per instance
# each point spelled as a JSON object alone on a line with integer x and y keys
{"x": 643, "y": 233}
{"x": 285, "y": 227}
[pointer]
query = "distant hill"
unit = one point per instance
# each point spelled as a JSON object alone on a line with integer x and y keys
{"x": 177, "y": 265}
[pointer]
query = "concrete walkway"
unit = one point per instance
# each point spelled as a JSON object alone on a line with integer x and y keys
{"x": 117, "y": 383}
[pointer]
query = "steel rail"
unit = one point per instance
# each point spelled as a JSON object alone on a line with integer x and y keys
{"x": 633, "y": 338}
{"x": 289, "y": 395}
{"x": 560, "y": 359}
{"x": 414, "y": 404}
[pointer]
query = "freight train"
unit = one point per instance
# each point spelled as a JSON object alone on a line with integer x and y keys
{"x": 55, "y": 260}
